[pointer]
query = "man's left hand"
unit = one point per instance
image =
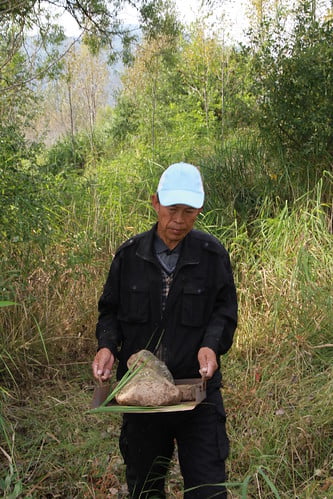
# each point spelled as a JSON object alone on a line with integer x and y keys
{"x": 208, "y": 362}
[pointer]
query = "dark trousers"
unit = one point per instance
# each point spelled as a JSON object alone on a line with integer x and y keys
{"x": 147, "y": 445}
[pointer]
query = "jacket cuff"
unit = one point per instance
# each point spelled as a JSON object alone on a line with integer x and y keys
{"x": 104, "y": 341}
{"x": 212, "y": 343}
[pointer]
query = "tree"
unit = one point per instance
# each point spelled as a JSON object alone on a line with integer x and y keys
{"x": 100, "y": 23}
{"x": 146, "y": 83}
{"x": 147, "y": 86}
{"x": 182, "y": 91}
{"x": 294, "y": 86}
{"x": 73, "y": 100}
{"x": 98, "y": 19}
{"x": 41, "y": 57}
{"x": 201, "y": 73}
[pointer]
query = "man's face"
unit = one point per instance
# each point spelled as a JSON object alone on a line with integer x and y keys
{"x": 174, "y": 222}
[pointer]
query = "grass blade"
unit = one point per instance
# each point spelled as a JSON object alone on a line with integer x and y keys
{"x": 269, "y": 483}
{"x": 42, "y": 339}
{"x": 244, "y": 487}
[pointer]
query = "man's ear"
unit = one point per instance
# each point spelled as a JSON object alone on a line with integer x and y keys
{"x": 155, "y": 202}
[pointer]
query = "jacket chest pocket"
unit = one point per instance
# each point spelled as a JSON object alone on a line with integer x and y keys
{"x": 193, "y": 306}
{"x": 134, "y": 304}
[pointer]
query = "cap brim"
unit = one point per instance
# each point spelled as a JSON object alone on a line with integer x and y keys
{"x": 168, "y": 198}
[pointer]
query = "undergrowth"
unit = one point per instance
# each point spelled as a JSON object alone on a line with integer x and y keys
{"x": 277, "y": 377}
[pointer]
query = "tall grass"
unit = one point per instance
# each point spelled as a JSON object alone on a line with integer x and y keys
{"x": 278, "y": 378}
{"x": 55, "y": 285}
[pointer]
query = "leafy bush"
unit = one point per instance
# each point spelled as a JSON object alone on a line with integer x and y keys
{"x": 75, "y": 153}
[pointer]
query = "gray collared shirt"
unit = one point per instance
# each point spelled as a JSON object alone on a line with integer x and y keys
{"x": 167, "y": 258}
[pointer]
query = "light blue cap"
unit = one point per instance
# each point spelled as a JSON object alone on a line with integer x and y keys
{"x": 181, "y": 183}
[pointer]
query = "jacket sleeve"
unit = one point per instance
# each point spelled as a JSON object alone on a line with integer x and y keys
{"x": 107, "y": 328}
{"x": 223, "y": 319}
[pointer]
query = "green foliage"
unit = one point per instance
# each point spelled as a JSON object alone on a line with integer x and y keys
{"x": 294, "y": 86}
{"x": 158, "y": 18}
{"x": 238, "y": 104}
{"x": 23, "y": 213}
{"x": 238, "y": 177}
{"x": 16, "y": 96}
{"x": 67, "y": 154}
{"x": 172, "y": 103}
{"x": 26, "y": 59}
{"x": 37, "y": 192}
{"x": 23, "y": 189}
{"x": 75, "y": 153}
{"x": 99, "y": 20}
{"x": 14, "y": 149}
{"x": 125, "y": 120}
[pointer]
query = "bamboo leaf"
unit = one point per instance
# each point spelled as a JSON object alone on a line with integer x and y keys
{"x": 7, "y": 303}
{"x": 132, "y": 371}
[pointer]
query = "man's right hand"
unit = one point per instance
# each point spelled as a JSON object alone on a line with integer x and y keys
{"x": 102, "y": 364}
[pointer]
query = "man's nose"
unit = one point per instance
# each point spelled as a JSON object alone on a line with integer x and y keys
{"x": 178, "y": 217}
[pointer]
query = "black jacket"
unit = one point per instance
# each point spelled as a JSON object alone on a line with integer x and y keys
{"x": 201, "y": 308}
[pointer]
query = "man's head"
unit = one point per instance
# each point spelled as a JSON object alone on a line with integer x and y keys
{"x": 179, "y": 199}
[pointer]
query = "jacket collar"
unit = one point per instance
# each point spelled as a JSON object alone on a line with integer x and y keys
{"x": 190, "y": 253}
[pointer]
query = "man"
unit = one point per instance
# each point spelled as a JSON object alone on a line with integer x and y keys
{"x": 171, "y": 290}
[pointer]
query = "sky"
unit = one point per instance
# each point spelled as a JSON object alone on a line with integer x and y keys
{"x": 189, "y": 10}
